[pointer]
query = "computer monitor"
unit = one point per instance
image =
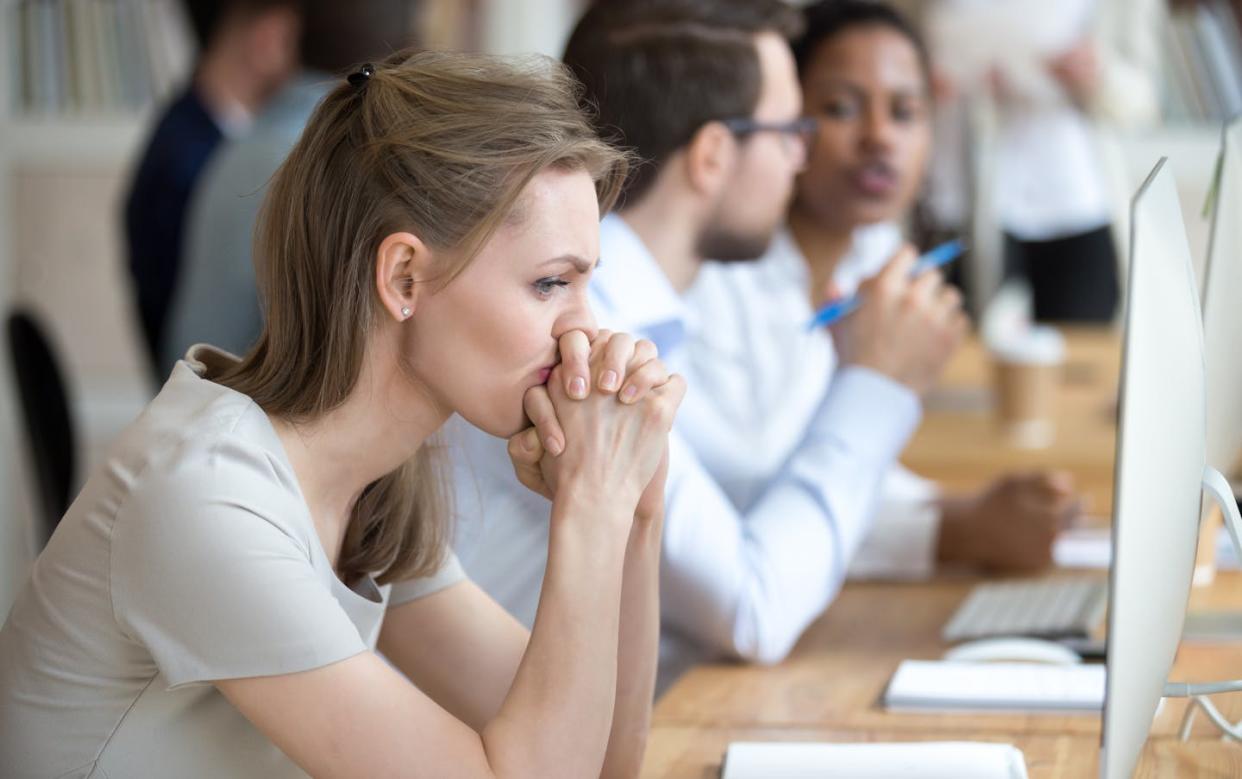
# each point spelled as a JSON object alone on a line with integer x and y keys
{"x": 1158, "y": 472}
{"x": 1222, "y": 322}
{"x": 1222, "y": 315}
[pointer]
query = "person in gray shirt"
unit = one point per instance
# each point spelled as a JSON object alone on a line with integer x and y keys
{"x": 215, "y": 300}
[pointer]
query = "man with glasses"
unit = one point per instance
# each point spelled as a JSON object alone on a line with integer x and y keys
{"x": 706, "y": 93}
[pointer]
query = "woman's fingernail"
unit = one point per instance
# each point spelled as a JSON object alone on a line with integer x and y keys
{"x": 530, "y": 440}
{"x": 628, "y": 393}
{"x": 552, "y": 445}
{"x": 577, "y": 388}
{"x": 608, "y": 381}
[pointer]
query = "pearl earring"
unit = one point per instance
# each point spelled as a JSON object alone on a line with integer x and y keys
{"x": 405, "y": 312}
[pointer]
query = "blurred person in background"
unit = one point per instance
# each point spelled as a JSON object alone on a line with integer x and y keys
{"x": 706, "y": 93}
{"x": 247, "y": 50}
{"x": 216, "y": 300}
{"x": 866, "y": 80}
{"x": 1048, "y": 171}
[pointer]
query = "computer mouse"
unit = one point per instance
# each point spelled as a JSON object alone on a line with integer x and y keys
{"x": 1012, "y": 650}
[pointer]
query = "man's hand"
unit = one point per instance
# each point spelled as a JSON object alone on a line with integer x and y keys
{"x": 1010, "y": 525}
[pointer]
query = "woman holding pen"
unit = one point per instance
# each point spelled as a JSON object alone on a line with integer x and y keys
{"x": 867, "y": 80}
{"x": 215, "y": 601}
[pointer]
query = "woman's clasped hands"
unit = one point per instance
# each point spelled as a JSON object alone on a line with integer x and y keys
{"x": 600, "y": 424}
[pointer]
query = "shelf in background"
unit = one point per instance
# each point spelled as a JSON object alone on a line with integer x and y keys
{"x": 72, "y": 141}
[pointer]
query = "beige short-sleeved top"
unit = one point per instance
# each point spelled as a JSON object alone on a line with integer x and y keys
{"x": 190, "y": 556}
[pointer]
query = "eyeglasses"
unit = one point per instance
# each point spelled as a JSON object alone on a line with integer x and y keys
{"x": 797, "y": 135}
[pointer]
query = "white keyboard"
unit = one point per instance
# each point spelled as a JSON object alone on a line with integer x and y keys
{"x": 1040, "y": 608}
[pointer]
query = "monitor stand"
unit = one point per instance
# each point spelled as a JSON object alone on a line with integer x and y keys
{"x": 1215, "y": 625}
{"x": 1219, "y": 490}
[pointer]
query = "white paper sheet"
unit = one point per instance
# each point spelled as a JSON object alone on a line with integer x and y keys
{"x": 931, "y": 760}
{"x": 959, "y": 686}
{"x": 1092, "y": 548}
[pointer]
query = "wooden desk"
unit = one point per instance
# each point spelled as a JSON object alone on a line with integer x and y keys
{"x": 830, "y": 687}
{"x": 959, "y": 443}
{"x": 837, "y": 673}
{"x": 695, "y": 753}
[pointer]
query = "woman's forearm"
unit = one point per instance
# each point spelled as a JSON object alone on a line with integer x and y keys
{"x": 556, "y": 718}
{"x": 638, "y": 650}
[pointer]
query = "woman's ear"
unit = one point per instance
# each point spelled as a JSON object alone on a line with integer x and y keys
{"x": 401, "y": 261}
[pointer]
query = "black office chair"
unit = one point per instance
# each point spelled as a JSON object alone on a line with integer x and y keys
{"x": 45, "y": 411}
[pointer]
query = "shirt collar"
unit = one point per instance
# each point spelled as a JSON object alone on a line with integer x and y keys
{"x": 872, "y": 246}
{"x": 234, "y": 121}
{"x": 202, "y": 359}
{"x": 786, "y": 259}
{"x": 633, "y": 291}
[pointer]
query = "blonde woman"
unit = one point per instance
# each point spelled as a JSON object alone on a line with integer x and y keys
{"x": 214, "y": 602}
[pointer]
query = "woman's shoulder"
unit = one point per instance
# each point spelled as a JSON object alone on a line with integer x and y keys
{"x": 201, "y": 446}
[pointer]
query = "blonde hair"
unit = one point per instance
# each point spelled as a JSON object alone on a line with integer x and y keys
{"x": 440, "y": 144}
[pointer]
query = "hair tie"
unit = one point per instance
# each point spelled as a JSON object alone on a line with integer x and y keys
{"x": 362, "y": 75}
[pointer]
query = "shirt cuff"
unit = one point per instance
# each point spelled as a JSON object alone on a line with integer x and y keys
{"x": 872, "y": 413}
{"x": 901, "y": 483}
{"x": 901, "y": 543}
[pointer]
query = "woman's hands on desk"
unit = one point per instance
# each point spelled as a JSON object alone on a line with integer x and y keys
{"x": 1010, "y": 525}
{"x": 613, "y": 441}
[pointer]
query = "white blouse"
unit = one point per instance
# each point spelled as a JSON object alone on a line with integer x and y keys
{"x": 768, "y": 375}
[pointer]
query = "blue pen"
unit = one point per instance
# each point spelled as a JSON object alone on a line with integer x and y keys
{"x": 837, "y": 310}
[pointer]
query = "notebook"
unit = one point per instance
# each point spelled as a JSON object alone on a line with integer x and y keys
{"x": 960, "y": 686}
{"x": 930, "y": 760}
{"x": 1092, "y": 547}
